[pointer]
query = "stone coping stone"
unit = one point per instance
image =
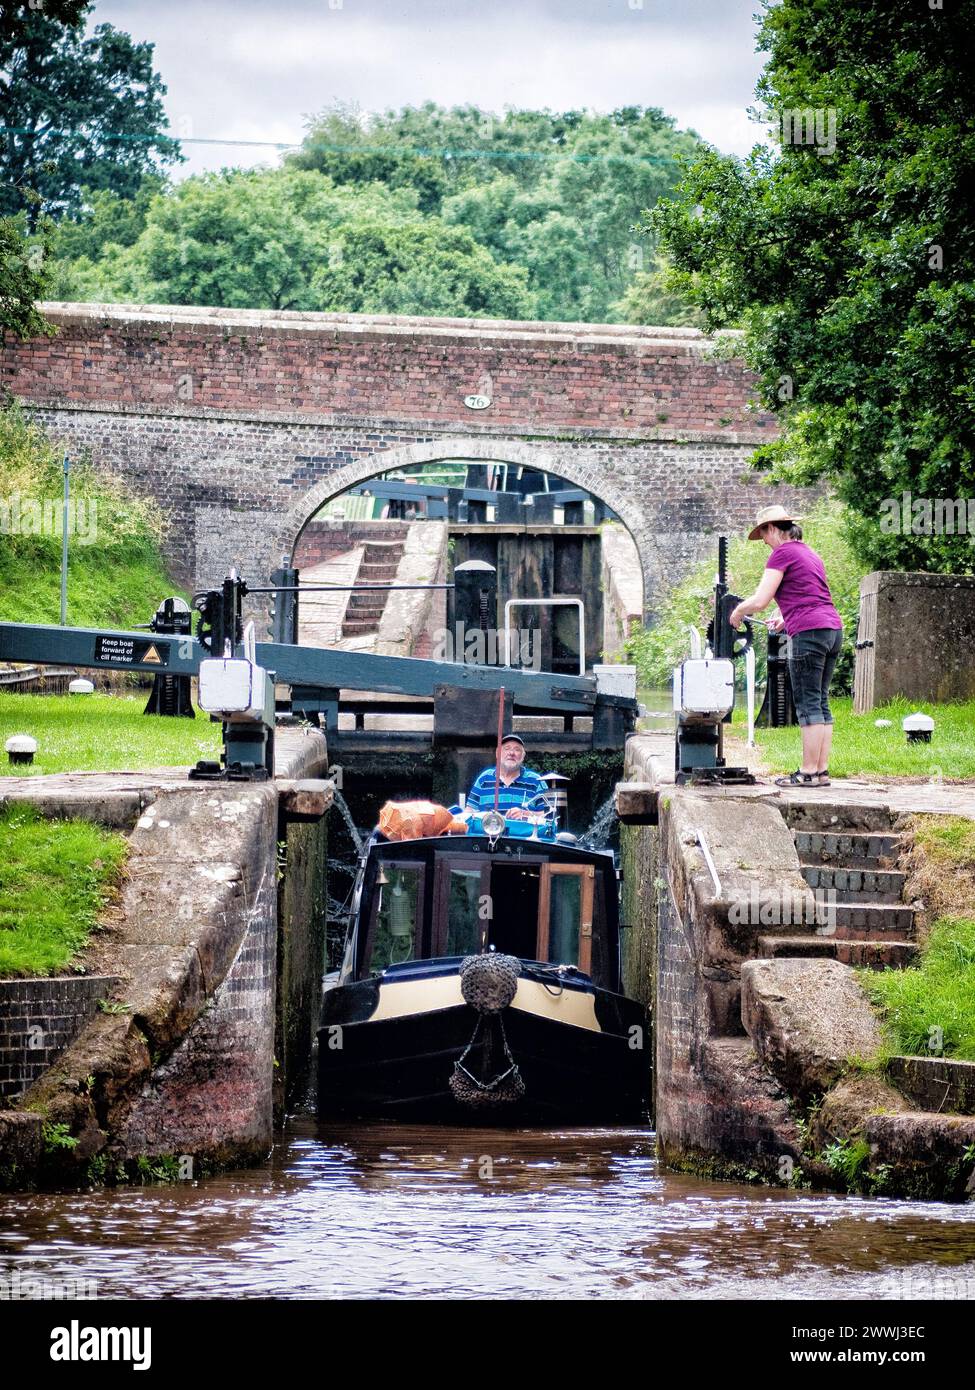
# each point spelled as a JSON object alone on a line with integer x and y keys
{"x": 760, "y": 887}
{"x": 117, "y": 800}
{"x": 114, "y": 807}
{"x": 940, "y": 1084}
{"x": 21, "y": 1146}
{"x": 285, "y": 322}
{"x": 199, "y": 906}
{"x": 850, "y": 802}
{"x": 807, "y": 1019}
{"x": 923, "y": 1155}
{"x": 202, "y": 822}
{"x": 300, "y": 753}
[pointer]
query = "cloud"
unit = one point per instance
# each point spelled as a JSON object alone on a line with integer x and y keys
{"x": 253, "y": 72}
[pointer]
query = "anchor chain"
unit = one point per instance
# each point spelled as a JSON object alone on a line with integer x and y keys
{"x": 488, "y": 984}
{"x": 504, "y": 1089}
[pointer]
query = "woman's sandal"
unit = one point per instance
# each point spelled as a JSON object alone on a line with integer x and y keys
{"x": 799, "y": 779}
{"x": 822, "y": 778}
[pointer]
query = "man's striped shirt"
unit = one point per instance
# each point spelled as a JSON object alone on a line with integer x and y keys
{"x": 526, "y": 785}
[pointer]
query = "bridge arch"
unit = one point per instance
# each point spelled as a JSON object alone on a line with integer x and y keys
{"x": 581, "y": 468}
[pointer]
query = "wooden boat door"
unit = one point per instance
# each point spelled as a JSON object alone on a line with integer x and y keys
{"x": 461, "y": 905}
{"x": 565, "y": 914}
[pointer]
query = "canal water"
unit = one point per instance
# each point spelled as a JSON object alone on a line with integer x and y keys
{"x": 374, "y": 1210}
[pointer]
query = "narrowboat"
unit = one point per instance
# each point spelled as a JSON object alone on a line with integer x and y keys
{"x": 481, "y": 981}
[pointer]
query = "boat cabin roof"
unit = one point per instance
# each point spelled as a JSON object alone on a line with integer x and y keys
{"x": 460, "y": 895}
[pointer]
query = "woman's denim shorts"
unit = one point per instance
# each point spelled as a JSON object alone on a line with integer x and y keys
{"x": 812, "y": 657}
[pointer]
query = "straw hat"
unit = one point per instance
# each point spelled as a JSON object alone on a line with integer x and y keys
{"x": 768, "y": 514}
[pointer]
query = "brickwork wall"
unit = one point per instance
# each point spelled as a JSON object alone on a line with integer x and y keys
{"x": 242, "y": 423}
{"x": 323, "y": 540}
{"x": 552, "y": 376}
{"x": 38, "y": 1019}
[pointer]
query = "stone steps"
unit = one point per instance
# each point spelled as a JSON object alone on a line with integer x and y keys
{"x": 362, "y": 607}
{"x": 856, "y": 885}
{"x": 875, "y": 954}
{"x": 378, "y": 569}
{"x": 860, "y": 894}
{"x": 882, "y": 920}
{"x": 379, "y": 565}
{"x": 852, "y": 850}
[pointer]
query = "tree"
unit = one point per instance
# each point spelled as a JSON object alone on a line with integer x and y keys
{"x": 24, "y": 278}
{"x": 651, "y": 299}
{"x": 347, "y": 150}
{"x": 420, "y": 269}
{"x": 290, "y": 239}
{"x": 561, "y": 194}
{"x": 849, "y": 258}
{"x": 76, "y": 111}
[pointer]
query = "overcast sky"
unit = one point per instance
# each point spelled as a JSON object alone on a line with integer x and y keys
{"x": 253, "y": 70}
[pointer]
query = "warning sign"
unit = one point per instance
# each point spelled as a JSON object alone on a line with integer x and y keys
{"x": 130, "y": 651}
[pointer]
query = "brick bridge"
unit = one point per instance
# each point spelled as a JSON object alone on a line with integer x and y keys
{"x": 242, "y": 423}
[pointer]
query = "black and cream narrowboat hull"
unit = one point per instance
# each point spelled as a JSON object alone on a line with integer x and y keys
{"x": 389, "y": 1045}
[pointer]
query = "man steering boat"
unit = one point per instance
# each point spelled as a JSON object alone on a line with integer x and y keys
{"x": 517, "y": 788}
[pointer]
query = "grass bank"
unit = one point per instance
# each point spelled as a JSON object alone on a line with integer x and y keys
{"x": 860, "y": 749}
{"x": 116, "y": 574}
{"x": 102, "y": 733}
{"x": 56, "y": 878}
{"x": 929, "y": 1009}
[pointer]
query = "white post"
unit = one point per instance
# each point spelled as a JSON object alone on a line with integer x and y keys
{"x": 64, "y": 542}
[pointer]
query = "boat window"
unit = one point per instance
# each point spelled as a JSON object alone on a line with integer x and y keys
{"x": 464, "y": 923}
{"x": 565, "y": 915}
{"x": 563, "y": 937}
{"x": 397, "y": 916}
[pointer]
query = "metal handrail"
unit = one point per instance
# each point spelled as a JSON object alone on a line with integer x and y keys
{"x": 546, "y": 603}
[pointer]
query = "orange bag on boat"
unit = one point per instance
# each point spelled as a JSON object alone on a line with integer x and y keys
{"x": 415, "y": 820}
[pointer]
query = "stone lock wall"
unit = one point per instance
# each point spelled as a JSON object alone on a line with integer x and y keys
{"x": 302, "y": 918}
{"x": 38, "y": 1019}
{"x": 769, "y": 1058}
{"x": 218, "y": 953}
{"x": 242, "y": 423}
{"x": 921, "y": 631}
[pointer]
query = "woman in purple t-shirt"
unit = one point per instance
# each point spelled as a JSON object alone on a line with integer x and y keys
{"x": 795, "y": 578}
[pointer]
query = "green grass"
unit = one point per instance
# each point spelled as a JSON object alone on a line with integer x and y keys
{"x": 116, "y": 575}
{"x": 930, "y": 1009}
{"x": 117, "y": 589}
{"x": 947, "y": 841}
{"x": 102, "y": 733}
{"x": 861, "y": 749}
{"x": 55, "y": 879}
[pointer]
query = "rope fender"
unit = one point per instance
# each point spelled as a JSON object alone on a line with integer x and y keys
{"x": 488, "y": 983}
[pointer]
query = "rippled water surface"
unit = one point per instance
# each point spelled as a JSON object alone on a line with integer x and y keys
{"x": 378, "y": 1210}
